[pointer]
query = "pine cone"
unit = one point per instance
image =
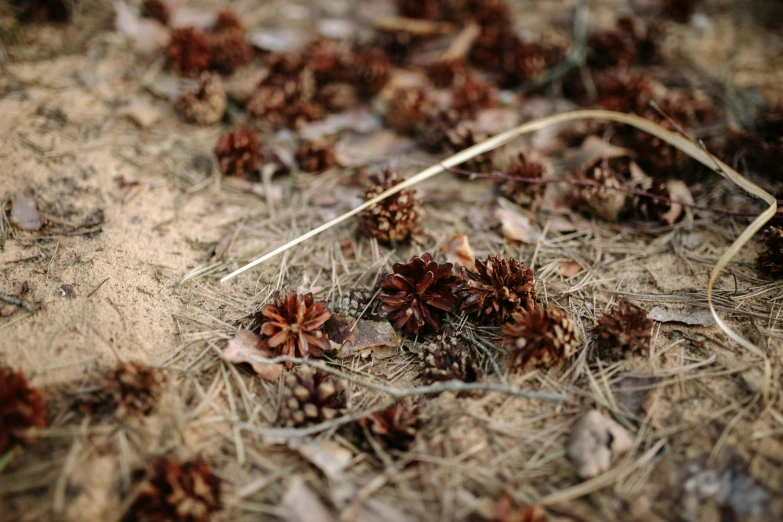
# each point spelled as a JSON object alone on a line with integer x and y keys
{"x": 397, "y": 45}
{"x": 604, "y": 201}
{"x": 447, "y": 73}
{"x": 424, "y": 9}
{"x": 540, "y": 337}
{"x": 205, "y": 104}
{"x": 170, "y": 491}
{"x": 21, "y": 407}
{"x": 331, "y": 61}
{"x": 472, "y": 96}
{"x": 408, "y": 109}
{"x": 621, "y": 91}
{"x": 239, "y": 153}
{"x": 396, "y": 426}
{"x": 487, "y": 13}
{"x": 311, "y": 397}
{"x": 506, "y": 509}
{"x": 294, "y": 327}
{"x": 156, "y": 9}
{"x": 315, "y": 156}
{"x": 227, "y": 19}
{"x": 336, "y": 97}
{"x": 525, "y": 62}
{"x": 463, "y": 136}
{"x": 189, "y": 51}
{"x": 230, "y": 50}
{"x": 525, "y": 194}
{"x": 354, "y": 302}
{"x": 50, "y": 10}
{"x": 135, "y": 389}
{"x": 449, "y": 361}
{"x": 611, "y": 48}
{"x": 497, "y": 288}
{"x": 626, "y": 329}
{"x": 771, "y": 259}
{"x": 415, "y": 296}
{"x": 433, "y": 133}
{"x": 762, "y": 147}
{"x": 679, "y": 10}
{"x": 373, "y": 71}
{"x": 653, "y": 209}
{"x": 394, "y": 219}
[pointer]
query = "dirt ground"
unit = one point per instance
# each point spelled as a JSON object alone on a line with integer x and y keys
{"x": 133, "y": 210}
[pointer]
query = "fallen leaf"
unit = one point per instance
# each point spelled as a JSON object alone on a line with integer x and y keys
{"x": 329, "y": 457}
{"x": 24, "y": 212}
{"x": 245, "y": 348}
{"x": 146, "y": 34}
{"x": 569, "y": 268}
{"x": 457, "y": 250}
{"x": 679, "y": 193}
{"x": 360, "y": 120}
{"x": 301, "y": 504}
{"x": 355, "y": 150}
{"x": 275, "y": 191}
{"x": 631, "y": 392}
{"x": 279, "y": 40}
{"x": 515, "y": 225}
{"x": 595, "y": 443}
{"x": 351, "y": 336}
{"x": 141, "y": 112}
{"x": 592, "y": 149}
{"x": 694, "y": 316}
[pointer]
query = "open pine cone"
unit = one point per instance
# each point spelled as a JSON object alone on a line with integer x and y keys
{"x": 156, "y": 9}
{"x": 310, "y": 397}
{"x": 433, "y": 133}
{"x": 425, "y": 9}
{"x": 605, "y": 200}
{"x": 394, "y": 219}
{"x": 540, "y": 337}
{"x": 463, "y": 136}
{"x": 447, "y": 73}
{"x": 239, "y": 153}
{"x": 450, "y": 360}
{"x": 189, "y": 51}
{"x": 170, "y": 491}
{"x": 415, "y": 296}
{"x": 472, "y": 96}
{"x": 396, "y": 426}
{"x": 134, "y": 388}
{"x": 771, "y": 259}
{"x": 294, "y": 326}
{"x": 408, "y": 109}
{"x": 206, "y": 103}
{"x": 525, "y": 194}
{"x": 355, "y": 303}
{"x": 230, "y": 50}
{"x": 315, "y": 156}
{"x": 373, "y": 70}
{"x": 21, "y": 407}
{"x": 497, "y": 288}
{"x": 626, "y": 329}
{"x": 331, "y": 60}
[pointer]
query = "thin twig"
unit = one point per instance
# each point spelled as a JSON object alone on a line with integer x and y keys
{"x": 478, "y": 344}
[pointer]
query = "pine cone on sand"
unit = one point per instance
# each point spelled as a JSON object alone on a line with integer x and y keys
{"x": 373, "y": 71}
{"x": 331, "y": 61}
{"x": 239, "y": 153}
{"x": 604, "y": 200}
{"x": 424, "y": 9}
{"x": 396, "y": 426}
{"x": 355, "y": 303}
{"x": 294, "y": 326}
{"x": 415, "y": 296}
{"x": 394, "y": 219}
{"x": 525, "y": 194}
{"x": 310, "y": 397}
{"x": 189, "y": 51}
{"x": 338, "y": 96}
{"x": 205, "y": 104}
{"x": 653, "y": 209}
{"x": 540, "y": 337}
{"x": 433, "y": 133}
{"x": 450, "y": 360}
{"x": 315, "y": 156}
{"x": 21, "y": 407}
{"x": 497, "y": 288}
{"x": 447, "y": 73}
{"x": 771, "y": 259}
{"x": 170, "y": 491}
{"x": 626, "y": 329}
{"x": 407, "y": 109}
{"x": 472, "y": 96}
{"x": 134, "y": 388}
{"x": 462, "y": 137}
{"x": 230, "y": 50}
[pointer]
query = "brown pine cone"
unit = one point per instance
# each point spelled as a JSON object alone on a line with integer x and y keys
{"x": 239, "y": 153}
{"x": 394, "y": 219}
{"x": 526, "y": 61}
{"x": 415, "y": 296}
{"x": 21, "y": 407}
{"x": 167, "y": 490}
{"x": 540, "y": 337}
{"x": 311, "y": 397}
{"x": 134, "y": 388}
{"x": 770, "y": 261}
{"x": 621, "y": 91}
{"x": 487, "y": 13}
{"x": 396, "y": 426}
{"x": 761, "y": 148}
{"x": 611, "y": 48}
{"x": 336, "y": 97}
{"x": 450, "y": 360}
{"x": 497, "y": 288}
{"x": 373, "y": 70}
{"x": 679, "y": 10}
{"x": 604, "y": 201}
{"x": 655, "y": 156}
{"x": 206, "y": 103}
{"x": 50, "y": 10}
{"x": 626, "y": 329}
{"x": 425, "y": 9}
{"x": 156, "y": 9}
{"x": 472, "y": 96}
{"x": 433, "y": 133}
{"x": 445, "y": 73}
{"x": 505, "y": 509}
{"x": 331, "y": 61}
{"x": 407, "y": 109}
{"x": 294, "y": 327}
{"x": 228, "y": 19}
{"x": 230, "y": 50}
{"x": 355, "y": 303}
{"x": 315, "y": 156}
{"x": 189, "y": 51}
{"x": 652, "y": 209}
{"x": 463, "y": 136}
{"x": 525, "y": 194}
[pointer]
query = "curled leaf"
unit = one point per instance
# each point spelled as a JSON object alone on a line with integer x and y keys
{"x": 245, "y": 348}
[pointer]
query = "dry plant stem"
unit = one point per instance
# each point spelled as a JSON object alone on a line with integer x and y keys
{"x": 462, "y": 43}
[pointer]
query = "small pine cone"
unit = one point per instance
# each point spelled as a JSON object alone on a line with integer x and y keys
{"x": 135, "y": 389}
{"x": 505, "y": 509}
{"x": 51, "y": 10}
{"x": 445, "y": 73}
{"x": 315, "y": 156}
{"x": 239, "y": 153}
{"x": 394, "y": 219}
{"x": 497, "y": 288}
{"x": 269, "y": 105}
{"x": 433, "y": 133}
{"x": 311, "y": 397}
{"x": 679, "y": 10}
{"x": 290, "y": 73}
{"x": 331, "y": 61}
{"x": 294, "y": 326}
{"x": 396, "y": 426}
{"x": 687, "y": 107}
{"x": 156, "y": 9}
{"x": 463, "y": 136}
{"x": 653, "y": 209}
{"x": 415, "y": 296}
{"x": 175, "y": 492}
{"x": 303, "y": 111}
{"x": 336, "y": 97}
{"x": 21, "y": 407}
{"x": 487, "y": 13}
{"x": 655, "y": 156}
{"x": 408, "y": 109}
{"x": 525, "y": 194}
{"x": 397, "y": 45}
{"x": 373, "y": 70}
{"x": 626, "y": 329}
{"x": 621, "y": 91}
{"x": 605, "y": 200}
{"x": 189, "y": 51}
{"x": 472, "y": 96}
{"x": 540, "y": 337}
{"x": 227, "y": 19}
{"x": 354, "y": 302}
{"x": 611, "y": 48}
{"x": 424, "y": 9}
{"x": 525, "y": 62}
{"x": 770, "y": 261}
{"x": 762, "y": 147}
{"x": 230, "y": 50}
{"x": 205, "y": 104}
{"x": 450, "y": 361}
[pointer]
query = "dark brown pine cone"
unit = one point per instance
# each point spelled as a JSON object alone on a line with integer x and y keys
{"x": 21, "y": 407}
{"x": 206, "y": 103}
{"x": 761, "y": 148}
{"x": 50, "y": 10}
{"x": 626, "y": 329}
{"x": 771, "y": 259}
{"x": 497, "y": 288}
{"x": 239, "y": 153}
{"x": 311, "y": 397}
{"x": 396, "y": 44}
{"x": 540, "y": 337}
{"x": 679, "y": 10}
{"x": 652, "y": 209}
{"x": 463, "y": 136}
{"x": 396, "y": 426}
{"x": 373, "y": 70}
{"x": 167, "y": 490}
{"x": 621, "y": 91}
{"x": 611, "y": 48}
{"x": 189, "y": 51}
{"x": 525, "y": 194}
{"x": 425, "y": 9}
{"x": 486, "y": 13}
{"x": 407, "y": 109}
{"x": 525, "y": 62}
{"x": 134, "y": 388}
{"x": 604, "y": 201}
{"x": 494, "y": 49}
{"x": 230, "y": 50}
{"x": 433, "y": 133}
{"x": 473, "y": 95}
{"x": 336, "y": 97}
{"x": 294, "y": 327}
{"x": 415, "y": 296}
{"x": 506, "y": 509}
{"x": 227, "y": 19}
{"x": 156, "y": 9}
{"x": 450, "y": 360}
{"x": 315, "y": 156}
{"x": 445, "y": 73}
{"x": 655, "y": 156}
{"x": 331, "y": 61}
{"x": 394, "y": 219}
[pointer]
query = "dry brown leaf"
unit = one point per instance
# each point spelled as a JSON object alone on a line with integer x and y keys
{"x": 351, "y": 336}
{"x": 245, "y": 348}
{"x": 694, "y": 316}
{"x": 457, "y": 250}
{"x": 355, "y": 150}
{"x": 516, "y": 226}
{"x": 679, "y": 193}
{"x": 275, "y": 191}
{"x": 24, "y": 212}
{"x": 569, "y": 268}
{"x": 595, "y": 443}
{"x": 360, "y": 120}
{"x": 329, "y": 457}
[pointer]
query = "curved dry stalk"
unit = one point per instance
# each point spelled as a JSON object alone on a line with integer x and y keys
{"x": 494, "y": 142}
